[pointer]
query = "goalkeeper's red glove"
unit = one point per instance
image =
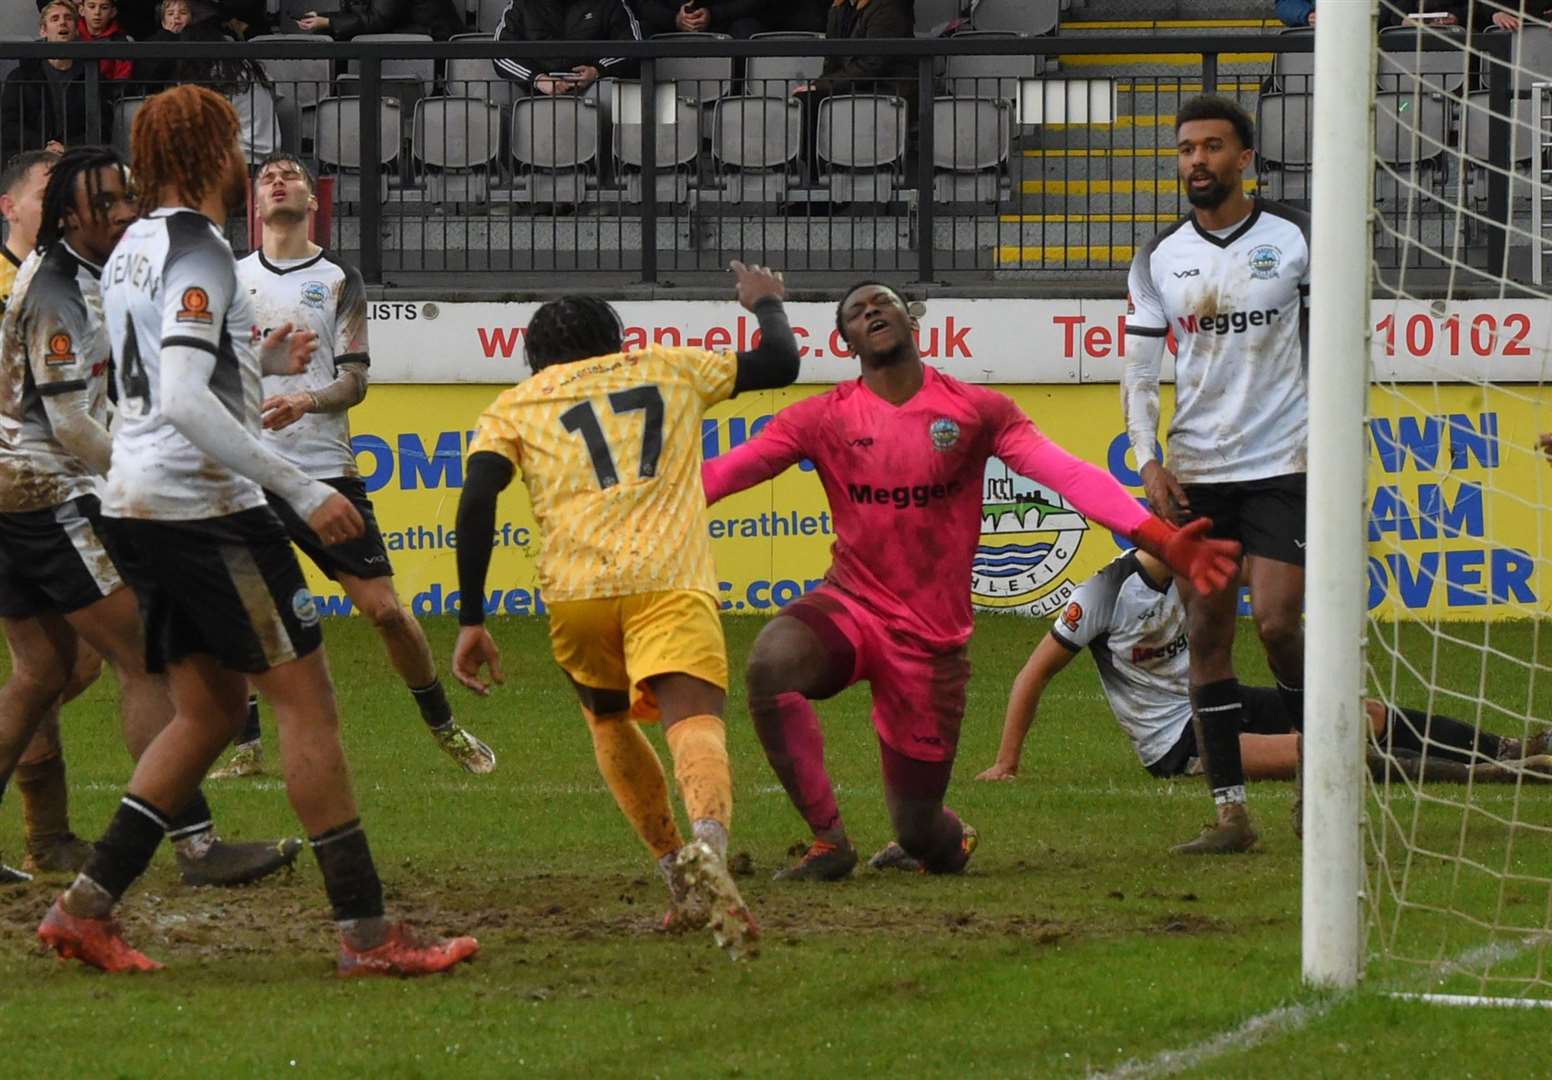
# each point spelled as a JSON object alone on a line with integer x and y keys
{"x": 1208, "y": 564}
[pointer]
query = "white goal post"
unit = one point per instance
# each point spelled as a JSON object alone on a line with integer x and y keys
{"x": 1336, "y": 567}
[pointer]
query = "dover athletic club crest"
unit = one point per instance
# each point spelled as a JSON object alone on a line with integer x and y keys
{"x": 1029, "y": 536}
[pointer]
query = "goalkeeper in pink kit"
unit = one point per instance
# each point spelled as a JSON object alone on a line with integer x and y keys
{"x": 901, "y": 452}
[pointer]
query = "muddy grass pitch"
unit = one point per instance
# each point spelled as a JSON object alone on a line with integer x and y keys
{"x": 1074, "y": 946}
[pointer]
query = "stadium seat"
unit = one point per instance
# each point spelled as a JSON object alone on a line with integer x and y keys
{"x": 1030, "y": 17}
{"x": 124, "y": 110}
{"x": 703, "y": 79}
{"x": 990, "y": 76}
{"x": 490, "y": 14}
{"x": 478, "y": 79}
{"x": 861, "y": 143}
{"x": 1293, "y": 73}
{"x": 970, "y": 144}
{"x": 1283, "y": 145}
{"x": 755, "y": 145}
{"x": 1401, "y": 62}
{"x": 337, "y": 142}
{"x": 455, "y": 144}
{"x": 932, "y": 15}
{"x": 1532, "y": 57}
{"x": 678, "y": 146}
{"x": 775, "y": 76}
{"x": 555, "y": 141}
{"x": 1410, "y": 135}
{"x": 303, "y": 82}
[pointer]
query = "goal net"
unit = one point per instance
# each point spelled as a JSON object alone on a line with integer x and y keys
{"x": 1456, "y": 841}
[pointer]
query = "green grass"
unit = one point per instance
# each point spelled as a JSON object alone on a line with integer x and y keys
{"x": 1075, "y": 944}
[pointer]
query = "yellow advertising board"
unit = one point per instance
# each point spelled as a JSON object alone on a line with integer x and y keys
{"x": 1454, "y": 516}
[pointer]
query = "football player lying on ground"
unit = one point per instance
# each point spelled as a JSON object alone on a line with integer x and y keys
{"x": 902, "y": 453}
{"x": 1131, "y": 619}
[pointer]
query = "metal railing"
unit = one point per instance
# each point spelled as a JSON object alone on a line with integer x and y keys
{"x": 1068, "y": 190}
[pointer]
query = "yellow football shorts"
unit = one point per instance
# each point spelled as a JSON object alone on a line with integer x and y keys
{"x": 616, "y": 643}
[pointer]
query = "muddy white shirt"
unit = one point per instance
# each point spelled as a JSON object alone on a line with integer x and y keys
{"x": 1137, "y": 633}
{"x": 328, "y": 297}
{"x": 1235, "y": 304}
{"x": 51, "y": 344}
{"x": 172, "y": 280}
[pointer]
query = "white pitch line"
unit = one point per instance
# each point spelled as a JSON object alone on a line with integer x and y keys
{"x": 1286, "y": 1019}
{"x": 1279, "y": 1021}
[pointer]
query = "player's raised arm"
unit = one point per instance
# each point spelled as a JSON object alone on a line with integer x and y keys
{"x": 777, "y": 448}
{"x": 1207, "y": 563}
{"x": 1048, "y": 659}
{"x": 773, "y": 363}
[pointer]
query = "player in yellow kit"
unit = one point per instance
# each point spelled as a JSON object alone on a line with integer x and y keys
{"x": 608, "y": 445}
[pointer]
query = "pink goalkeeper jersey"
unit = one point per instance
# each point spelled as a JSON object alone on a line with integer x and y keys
{"x": 904, "y": 484}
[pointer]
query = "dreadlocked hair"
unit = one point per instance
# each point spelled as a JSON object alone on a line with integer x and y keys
{"x": 572, "y": 328}
{"x": 59, "y": 193}
{"x": 180, "y": 140}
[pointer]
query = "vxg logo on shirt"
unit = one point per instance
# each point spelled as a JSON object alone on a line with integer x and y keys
{"x": 1227, "y": 322}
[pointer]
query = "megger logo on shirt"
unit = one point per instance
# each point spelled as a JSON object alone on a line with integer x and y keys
{"x": 1228, "y": 322}
{"x": 901, "y": 498}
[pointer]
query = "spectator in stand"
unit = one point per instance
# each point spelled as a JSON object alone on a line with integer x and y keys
{"x": 100, "y": 22}
{"x": 567, "y": 20}
{"x": 736, "y": 18}
{"x": 43, "y": 102}
{"x": 173, "y": 18}
{"x": 242, "y": 82}
{"x": 438, "y": 18}
{"x": 809, "y": 15}
{"x": 859, "y": 73}
{"x": 1296, "y": 12}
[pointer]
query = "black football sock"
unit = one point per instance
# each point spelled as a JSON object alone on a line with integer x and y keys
{"x": 250, "y": 730}
{"x": 1293, "y": 702}
{"x": 1217, "y": 710}
{"x": 432, "y": 702}
{"x": 119, "y": 858}
{"x": 191, "y": 830}
{"x": 1446, "y": 738}
{"x": 355, "y": 891}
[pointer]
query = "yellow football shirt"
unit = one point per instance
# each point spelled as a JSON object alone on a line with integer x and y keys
{"x": 8, "y": 268}
{"x": 610, "y": 450}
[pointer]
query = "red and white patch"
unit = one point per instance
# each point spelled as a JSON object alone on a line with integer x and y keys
{"x": 1072, "y": 615}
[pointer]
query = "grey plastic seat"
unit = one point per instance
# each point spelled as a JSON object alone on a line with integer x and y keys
{"x": 1532, "y": 57}
{"x": 555, "y": 141}
{"x": 933, "y": 14}
{"x": 477, "y": 78}
{"x": 124, "y": 110}
{"x": 861, "y": 141}
{"x": 678, "y": 147}
{"x": 1402, "y": 65}
{"x": 1283, "y": 157}
{"x": 777, "y": 76}
{"x": 971, "y": 138}
{"x": 701, "y": 78}
{"x": 460, "y": 138}
{"x": 755, "y": 145}
{"x": 415, "y": 69}
{"x": 301, "y": 81}
{"x": 1476, "y": 125}
{"x": 337, "y": 141}
{"x": 1294, "y": 73}
{"x": 490, "y": 13}
{"x": 1411, "y": 136}
{"x": 990, "y": 76}
{"x": 1030, "y": 17}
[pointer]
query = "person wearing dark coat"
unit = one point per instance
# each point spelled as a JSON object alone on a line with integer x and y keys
{"x": 45, "y": 101}
{"x": 438, "y": 18}
{"x": 736, "y": 18}
{"x": 567, "y": 20}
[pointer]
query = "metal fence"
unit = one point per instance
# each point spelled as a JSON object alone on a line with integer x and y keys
{"x": 972, "y": 160}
